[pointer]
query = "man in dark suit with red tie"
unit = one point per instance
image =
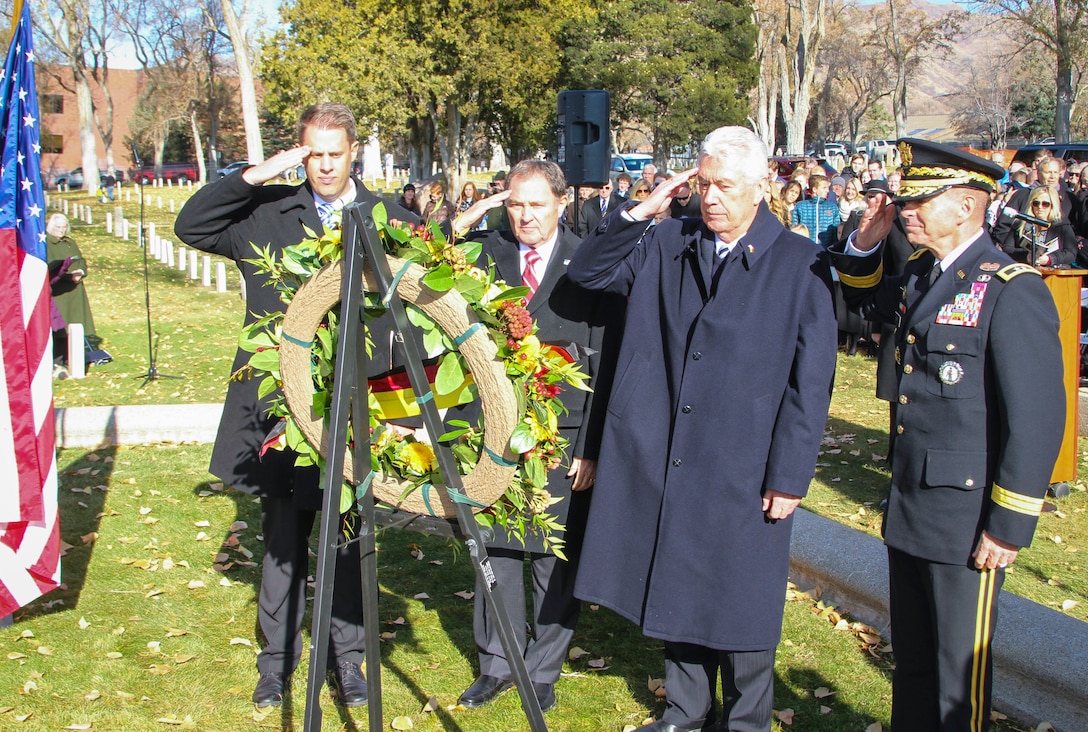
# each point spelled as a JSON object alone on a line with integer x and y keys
{"x": 535, "y": 253}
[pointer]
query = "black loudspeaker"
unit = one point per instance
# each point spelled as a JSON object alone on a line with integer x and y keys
{"x": 584, "y": 149}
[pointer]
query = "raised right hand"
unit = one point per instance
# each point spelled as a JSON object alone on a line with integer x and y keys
{"x": 875, "y": 223}
{"x": 279, "y": 163}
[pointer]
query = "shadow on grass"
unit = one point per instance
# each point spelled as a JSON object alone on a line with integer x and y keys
{"x": 82, "y": 484}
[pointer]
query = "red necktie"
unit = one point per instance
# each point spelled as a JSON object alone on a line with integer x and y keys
{"x": 528, "y": 275}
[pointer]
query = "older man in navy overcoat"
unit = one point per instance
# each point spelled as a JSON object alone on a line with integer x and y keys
{"x": 713, "y": 428}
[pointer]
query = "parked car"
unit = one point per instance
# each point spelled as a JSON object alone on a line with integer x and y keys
{"x": 225, "y": 171}
{"x": 177, "y": 172}
{"x": 878, "y": 149}
{"x": 630, "y": 163}
{"x": 1071, "y": 152}
{"x": 829, "y": 149}
{"x": 74, "y": 177}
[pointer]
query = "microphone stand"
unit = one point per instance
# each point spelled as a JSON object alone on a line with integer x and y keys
{"x": 152, "y": 373}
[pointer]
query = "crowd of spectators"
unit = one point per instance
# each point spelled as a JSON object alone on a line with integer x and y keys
{"x": 1040, "y": 216}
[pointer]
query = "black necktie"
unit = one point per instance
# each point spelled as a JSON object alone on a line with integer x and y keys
{"x": 928, "y": 281}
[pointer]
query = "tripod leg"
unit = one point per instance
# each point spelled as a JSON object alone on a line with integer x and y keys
{"x": 332, "y": 480}
{"x": 368, "y": 553}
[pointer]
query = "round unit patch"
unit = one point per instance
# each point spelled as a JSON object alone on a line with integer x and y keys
{"x": 951, "y": 372}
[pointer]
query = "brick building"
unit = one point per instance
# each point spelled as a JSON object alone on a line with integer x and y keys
{"x": 61, "y": 149}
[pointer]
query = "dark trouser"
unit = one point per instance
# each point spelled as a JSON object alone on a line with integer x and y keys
{"x": 691, "y": 678}
{"x": 943, "y": 621}
{"x": 555, "y": 613}
{"x": 282, "y": 600}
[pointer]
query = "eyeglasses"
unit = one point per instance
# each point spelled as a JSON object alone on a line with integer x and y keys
{"x": 1041, "y": 204}
{"x": 642, "y": 192}
{"x": 683, "y": 198}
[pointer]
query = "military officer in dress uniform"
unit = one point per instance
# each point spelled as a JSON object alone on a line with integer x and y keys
{"x": 976, "y": 426}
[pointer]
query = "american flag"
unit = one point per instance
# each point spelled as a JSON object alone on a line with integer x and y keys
{"x": 29, "y": 534}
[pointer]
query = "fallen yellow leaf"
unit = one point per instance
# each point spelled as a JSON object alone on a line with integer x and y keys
{"x": 402, "y": 723}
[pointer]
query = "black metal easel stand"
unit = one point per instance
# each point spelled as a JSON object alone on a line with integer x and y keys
{"x": 152, "y": 373}
{"x": 361, "y": 243}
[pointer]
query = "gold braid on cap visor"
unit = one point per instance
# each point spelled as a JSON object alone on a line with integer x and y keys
{"x": 934, "y": 179}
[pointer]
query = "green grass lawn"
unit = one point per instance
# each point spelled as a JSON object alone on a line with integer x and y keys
{"x": 155, "y": 626}
{"x": 154, "y": 629}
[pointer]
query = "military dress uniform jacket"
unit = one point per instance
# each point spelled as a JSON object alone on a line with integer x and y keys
{"x": 564, "y": 313}
{"x": 227, "y": 218}
{"x": 721, "y": 391}
{"x": 978, "y": 421}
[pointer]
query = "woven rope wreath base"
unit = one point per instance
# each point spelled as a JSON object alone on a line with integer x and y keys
{"x": 489, "y": 479}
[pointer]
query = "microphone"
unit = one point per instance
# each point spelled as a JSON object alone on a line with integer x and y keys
{"x": 1014, "y": 214}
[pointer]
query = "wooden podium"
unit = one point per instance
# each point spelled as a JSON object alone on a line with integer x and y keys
{"x": 1064, "y": 285}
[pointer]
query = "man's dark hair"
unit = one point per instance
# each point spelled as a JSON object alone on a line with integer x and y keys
{"x": 546, "y": 169}
{"x": 327, "y": 116}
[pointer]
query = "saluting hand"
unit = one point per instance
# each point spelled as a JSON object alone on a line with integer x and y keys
{"x": 279, "y": 163}
{"x": 472, "y": 215}
{"x": 661, "y": 197}
{"x": 876, "y": 222}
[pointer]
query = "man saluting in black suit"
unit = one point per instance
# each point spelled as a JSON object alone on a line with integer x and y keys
{"x": 228, "y": 218}
{"x": 535, "y": 253}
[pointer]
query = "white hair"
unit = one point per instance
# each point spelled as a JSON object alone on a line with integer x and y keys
{"x": 740, "y": 149}
{"x": 58, "y": 221}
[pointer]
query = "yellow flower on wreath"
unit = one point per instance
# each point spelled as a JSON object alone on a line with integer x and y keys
{"x": 527, "y": 358}
{"x": 542, "y": 432}
{"x": 419, "y": 457}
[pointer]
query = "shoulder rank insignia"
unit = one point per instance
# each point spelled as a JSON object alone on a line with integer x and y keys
{"x": 1016, "y": 269}
{"x": 916, "y": 253}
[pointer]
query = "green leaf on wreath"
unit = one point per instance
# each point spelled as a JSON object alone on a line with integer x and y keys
{"x": 347, "y": 498}
{"x": 439, "y": 279}
{"x": 472, "y": 289}
{"x": 451, "y": 374}
{"x": 381, "y": 216}
{"x": 514, "y": 293}
{"x": 472, "y": 250}
{"x": 535, "y": 472}
{"x": 266, "y": 360}
{"x": 522, "y": 440}
{"x": 267, "y": 386}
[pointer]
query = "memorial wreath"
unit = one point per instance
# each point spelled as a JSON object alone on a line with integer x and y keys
{"x": 483, "y": 344}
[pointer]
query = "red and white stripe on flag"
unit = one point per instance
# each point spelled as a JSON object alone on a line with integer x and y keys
{"x": 29, "y": 532}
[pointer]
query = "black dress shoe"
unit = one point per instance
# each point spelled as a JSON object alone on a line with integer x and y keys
{"x": 545, "y": 696}
{"x": 348, "y": 685}
{"x": 660, "y": 726}
{"x": 483, "y": 689}
{"x": 269, "y": 691}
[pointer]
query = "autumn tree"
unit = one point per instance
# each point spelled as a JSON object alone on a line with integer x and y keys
{"x": 431, "y": 69}
{"x": 800, "y": 36}
{"x": 680, "y": 69}
{"x": 906, "y": 36}
{"x": 1061, "y": 27}
{"x": 985, "y": 99}
{"x": 66, "y": 28}
{"x": 237, "y": 25}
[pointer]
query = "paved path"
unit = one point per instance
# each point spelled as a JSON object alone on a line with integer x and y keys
{"x": 1040, "y": 655}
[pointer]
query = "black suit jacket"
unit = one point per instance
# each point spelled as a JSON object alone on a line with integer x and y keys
{"x": 591, "y": 212}
{"x": 228, "y": 217}
{"x": 565, "y": 313}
